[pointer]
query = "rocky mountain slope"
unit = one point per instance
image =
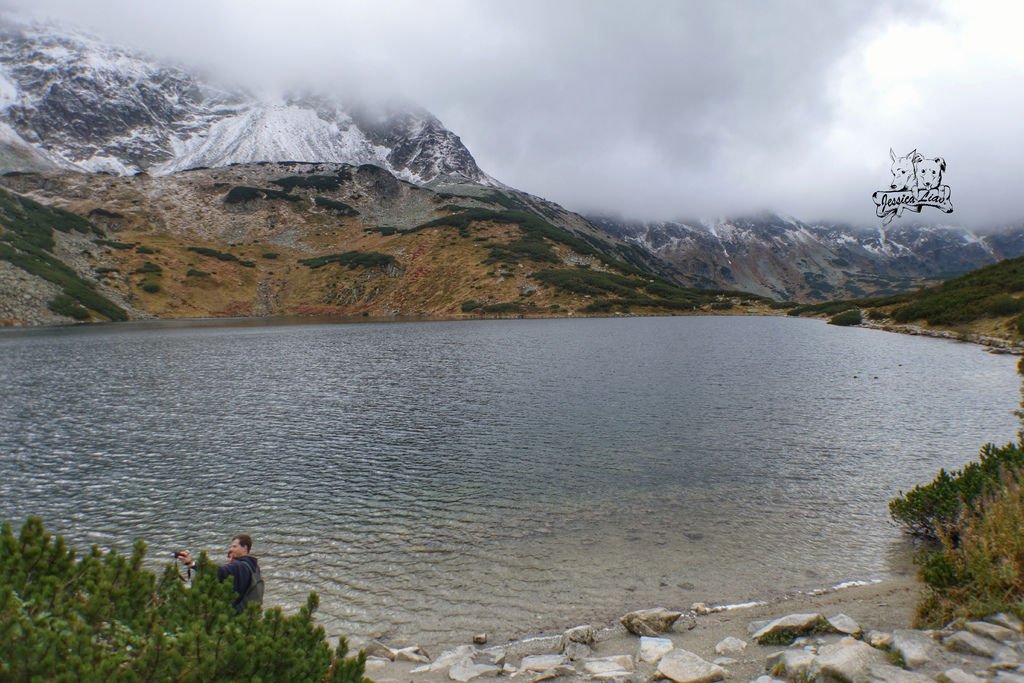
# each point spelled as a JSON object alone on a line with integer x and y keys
{"x": 68, "y": 101}
{"x": 785, "y": 258}
{"x": 295, "y": 238}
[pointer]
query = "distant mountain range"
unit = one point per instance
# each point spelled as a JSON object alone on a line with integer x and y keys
{"x": 785, "y": 258}
{"x": 74, "y": 112}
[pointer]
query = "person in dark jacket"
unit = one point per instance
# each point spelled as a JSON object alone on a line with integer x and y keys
{"x": 242, "y": 567}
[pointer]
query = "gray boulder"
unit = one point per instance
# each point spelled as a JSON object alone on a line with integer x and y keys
{"x": 792, "y": 664}
{"x": 993, "y": 631}
{"x": 846, "y": 660}
{"x": 843, "y": 624}
{"x": 682, "y": 666}
{"x": 913, "y": 646}
{"x": 730, "y": 646}
{"x": 653, "y": 649}
{"x": 887, "y": 673}
{"x": 585, "y": 634}
{"x": 542, "y": 663}
{"x": 1007, "y": 621}
{"x": 786, "y": 629}
{"x": 650, "y": 622}
{"x": 958, "y": 676}
{"x": 465, "y": 670}
{"x": 971, "y": 644}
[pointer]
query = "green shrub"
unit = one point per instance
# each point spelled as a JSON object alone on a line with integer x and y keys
{"x": 270, "y": 255}
{"x": 933, "y": 510}
{"x": 149, "y": 267}
{"x": 980, "y": 571}
{"x": 875, "y": 314}
{"x": 113, "y": 244}
{"x": 213, "y": 253}
{"x": 507, "y": 307}
{"x": 722, "y": 305}
{"x": 240, "y": 194}
{"x": 847, "y": 318}
{"x": 325, "y": 183}
{"x": 471, "y": 305}
{"x": 192, "y": 272}
{"x": 352, "y": 259}
{"x": 102, "y": 617}
{"x": 339, "y": 208}
{"x": 62, "y": 304}
{"x": 150, "y": 287}
{"x": 143, "y": 249}
{"x": 385, "y": 230}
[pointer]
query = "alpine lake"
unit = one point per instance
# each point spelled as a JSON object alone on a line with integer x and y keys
{"x": 432, "y": 480}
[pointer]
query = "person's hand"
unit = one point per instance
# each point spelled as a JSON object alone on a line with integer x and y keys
{"x": 186, "y": 557}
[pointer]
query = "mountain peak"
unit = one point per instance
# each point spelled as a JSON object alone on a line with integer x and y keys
{"x": 70, "y": 101}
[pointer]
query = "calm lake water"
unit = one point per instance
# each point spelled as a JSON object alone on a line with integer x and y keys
{"x": 432, "y": 480}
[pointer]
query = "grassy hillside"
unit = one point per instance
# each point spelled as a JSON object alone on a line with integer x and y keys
{"x": 318, "y": 239}
{"x": 985, "y": 302}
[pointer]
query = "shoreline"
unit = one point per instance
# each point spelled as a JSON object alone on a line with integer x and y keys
{"x": 877, "y": 605}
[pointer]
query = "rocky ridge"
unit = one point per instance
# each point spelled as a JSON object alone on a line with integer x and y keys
{"x": 790, "y": 259}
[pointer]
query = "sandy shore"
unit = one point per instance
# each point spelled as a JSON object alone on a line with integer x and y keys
{"x": 881, "y": 606}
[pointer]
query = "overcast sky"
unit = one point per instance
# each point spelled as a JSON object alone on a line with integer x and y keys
{"x": 648, "y": 109}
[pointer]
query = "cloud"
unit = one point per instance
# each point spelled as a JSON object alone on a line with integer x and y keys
{"x": 650, "y": 109}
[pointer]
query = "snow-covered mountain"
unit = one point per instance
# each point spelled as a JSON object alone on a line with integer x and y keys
{"x": 788, "y": 259}
{"x": 70, "y": 101}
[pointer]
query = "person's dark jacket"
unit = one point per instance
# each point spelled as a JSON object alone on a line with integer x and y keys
{"x": 241, "y": 571}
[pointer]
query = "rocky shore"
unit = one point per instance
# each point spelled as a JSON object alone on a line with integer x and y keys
{"x": 854, "y": 635}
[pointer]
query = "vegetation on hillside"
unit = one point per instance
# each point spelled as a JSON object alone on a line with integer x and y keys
{"x": 27, "y": 241}
{"x": 102, "y": 617}
{"x": 995, "y": 291}
{"x": 352, "y": 259}
{"x": 972, "y": 517}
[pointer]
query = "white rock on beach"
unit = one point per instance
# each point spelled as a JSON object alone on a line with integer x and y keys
{"x": 650, "y": 622}
{"x": 730, "y": 646}
{"x": 683, "y": 666}
{"x": 878, "y": 639}
{"x": 577, "y": 651}
{"x": 845, "y": 660}
{"x": 449, "y": 658}
{"x": 541, "y": 645}
{"x": 653, "y": 649}
{"x": 414, "y": 654}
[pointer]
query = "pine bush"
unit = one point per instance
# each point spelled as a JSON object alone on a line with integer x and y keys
{"x": 103, "y": 617}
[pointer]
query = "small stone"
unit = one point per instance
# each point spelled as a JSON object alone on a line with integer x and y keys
{"x": 466, "y": 671}
{"x": 844, "y": 624}
{"x": 1006, "y": 621}
{"x": 653, "y": 649}
{"x": 958, "y": 676}
{"x": 682, "y": 666}
{"x": 577, "y": 651}
{"x": 730, "y": 646}
{"x": 968, "y": 643}
{"x": 913, "y": 646}
{"x": 376, "y": 663}
{"x": 993, "y": 631}
{"x": 685, "y": 623}
{"x": 585, "y": 634}
{"x": 541, "y": 645}
{"x": 788, "y": 627}
{"x": 541, "y": 663}
{"x": 887, "y": 673}
{"x": 492, "y": 655}
{"x": 650, "y": 622}
{"x": 793, "y": 664}
{"x": 606, "y": 665}
{"x": 378, "y": 649}
{"x": 700, "y": 608}
{"x": 878, "y": 639}
{"x": 845, "y": 660}
{"x": 724, "y": 661}
{"x": 415, "y": 654}
{"x": 480, "y": 639}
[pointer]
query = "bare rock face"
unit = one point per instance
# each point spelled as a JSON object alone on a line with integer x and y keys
{"x": 650, "y": 622}
{"x": 846, "y": 661}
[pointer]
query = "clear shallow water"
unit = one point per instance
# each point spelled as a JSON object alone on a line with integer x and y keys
{"x": 433, "y": 480}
